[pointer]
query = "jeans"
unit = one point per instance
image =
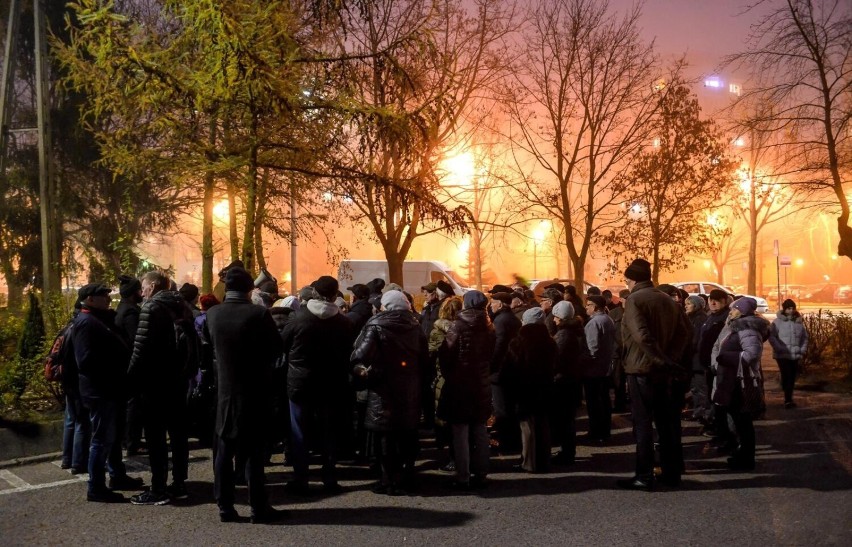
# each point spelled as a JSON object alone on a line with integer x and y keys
{"x": 102, "y": 416}
{"x": 789, "y": 369}
{"x": 246, "y": 450}
{"x": 77, "y": 434}
{"x": 472, "y": 450}
{"x": 328, "y": 422}
{"x": 656, "y": 402}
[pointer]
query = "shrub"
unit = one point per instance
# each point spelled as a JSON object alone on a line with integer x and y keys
{"x": 820, "y": 332}
{"x": 843, "y": 340}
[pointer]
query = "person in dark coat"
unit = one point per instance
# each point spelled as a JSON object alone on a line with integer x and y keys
{"x": 465, "y": 360}
{"x": 127, "y": 320}
{"x": 388, "y": 355}
{"x": 190, "y": 294}
{"x": 246, "y": 344}
{"x": 317, "y": 345}
{"x": 600, "y": 338}
{"x": 528, "y": 375}
{"x": 360, "y": 311}
{"x": 521, "y": 302}
{"x": 718, "y": 306}
{"x": 656, "y": 333}
{"x": 572, "y": 354}
{"x": 77, "y": 430}
{"x": 576, "y": 301}
{"x": 282, "y": 311}
{"x": 549, "y": 298}
{"x": 100, "y": 354}
{"x": 701, "y": 406}
{"x": 160, "y": 372}
{"x": 619, "y": 378}
{"x": 506, "y": 326}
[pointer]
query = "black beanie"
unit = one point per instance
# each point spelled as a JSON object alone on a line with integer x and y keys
{"x": 326, "y": 286}
{"x": 237, "y": 279}
{"x": 128, "y": 286}
{"x": 788, "y": 304}
{"x": 188, "y": 291}
{"x": 639, "y": 270}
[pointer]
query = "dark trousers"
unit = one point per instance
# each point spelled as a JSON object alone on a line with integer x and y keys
{"x": 789, "y": 369}
{"x": 247, "y": 450}
{"x": 506, "y": 426}
{"x": 166, "y": 416}
{"x": 566, "y": 400}
{"x": 427, "y": 392}
{"x": 396, "y": 456}
{"x": 535, "y": 441}
{"x": 744, "y": 424}
{"x": 134, "y": 423}
{"x": 328, "y": 424}
{"x": 77, "y": 435}
{"x": 599, "y": 407}
{"x": 656, "y": 402}
{"x": 619, "y": 383}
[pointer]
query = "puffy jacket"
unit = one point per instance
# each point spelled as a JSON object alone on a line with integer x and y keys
{"x": 788, "y": 337}
{"x": 506, "y": 327}
{"x": 600, "y": 338}
{"x": 127, "y": 318}
{"x": 740, "y": 341}
{"x": 318, "y": 343}
{"x": 655, "y": 332}
{"x": 465, "y": 358}
{"x": 155, "y": 366}
{"x": 393, "y": 347}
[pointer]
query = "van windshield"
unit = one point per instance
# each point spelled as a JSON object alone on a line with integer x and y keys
{"x": 458, "y": 279}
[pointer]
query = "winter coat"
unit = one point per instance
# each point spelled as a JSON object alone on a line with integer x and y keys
{"x": 156, "y": 366}
{"x": 360, "y": 312}
{"x": 465, "y": 359}
{"x": 100, "y": 354}
{"x": 318, "y": 343}
{"x": 439, "y": 332}
{"x": 600, "y": 338}
{"x": 506, "y": 327}
{"x": 697, "y": 318}
{"x": 429, "y": 315}
{"x": 655, "y": 332}
{"x": 709, "y": 334}
{"x": 616, "y": 314}
{"x": 740, "y": 341}
{"x": 527, "y": 375}
{"x": 246, "y": 343}
{"x": 127, "y": 318}
{"x": 572, "y": 351}
{"x": 788, "y": 337}
{"x": 393, "y": 348}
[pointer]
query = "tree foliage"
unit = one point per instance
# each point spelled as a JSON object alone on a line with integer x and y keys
{"x": 672, "y": 185}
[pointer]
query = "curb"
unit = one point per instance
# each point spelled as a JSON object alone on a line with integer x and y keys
{"x": 40, "y": 458}
{"x": 29, "y": 443}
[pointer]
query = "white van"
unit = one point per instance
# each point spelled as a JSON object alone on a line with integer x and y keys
{"x": 416, "y": 273}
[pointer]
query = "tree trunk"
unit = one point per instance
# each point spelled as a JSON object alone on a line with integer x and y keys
{"x": 260, "y": 202}
{"x": 15, "y": 299}
{"x": 752, "y": 260}
{"x": 395, "y": 262}
{"x": 207, "y": 252}
{"x": 233, "y": 235}
{"x": 655, "y": 265}
{"x": 250, "y": 211}
{"x": 476, "y": 245}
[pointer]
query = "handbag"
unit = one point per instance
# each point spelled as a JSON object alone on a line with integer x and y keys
{"x": 753, "y": 401}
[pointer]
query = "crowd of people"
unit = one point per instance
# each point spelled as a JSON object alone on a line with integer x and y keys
{"x": 254, "y": 375}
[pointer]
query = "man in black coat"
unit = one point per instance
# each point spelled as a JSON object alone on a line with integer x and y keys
{"x": 246, "y": 344}
{"x": 317, "y": 344}
{"x": 506, "y": 327}
{"x": 100, "y": 354}
{"x": 361, "y": 310}
{"x": 718, "y": 303}
{"x": 127, "y": 320}
{"x": 158, "y": 369}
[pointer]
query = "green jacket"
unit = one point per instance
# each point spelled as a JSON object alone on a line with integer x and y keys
{"x": 655, "y": 332}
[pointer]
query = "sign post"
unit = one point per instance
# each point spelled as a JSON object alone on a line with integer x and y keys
{"x": 776, "y": 250}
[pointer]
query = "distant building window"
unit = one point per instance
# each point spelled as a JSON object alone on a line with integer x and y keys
{"x": 714, "y": 82}
{"x": 735, "y": 89}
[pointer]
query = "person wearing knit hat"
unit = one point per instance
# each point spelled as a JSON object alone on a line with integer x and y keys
{"x": 506, "y": 326}
{"x": 189, "y": 292}
{"x": 789, "y": 340}
{"x": 719, "y": 296}
{"x": 563, "y": 310}
{"x": 238, "y": 280}
{"x": 600, "y": 339}
{"x": 219, "y": 289}
{"x": 533, "y": 315}
{"x": 736, "y": 359}
{"x": 655, "y": 335}
{"x": 394, "y": 300}
{"x": 127, "y": 320}
{"x": 129, "y": 286}
{"x": 572, "y": 352}
{"x": 465, "y": 360}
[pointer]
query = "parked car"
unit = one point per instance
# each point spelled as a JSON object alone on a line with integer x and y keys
{"x": 704, "y": 287}
{"x": 537, "y": 286}
{"x": 843, "y": 294}
{"x": 820, "y": 293}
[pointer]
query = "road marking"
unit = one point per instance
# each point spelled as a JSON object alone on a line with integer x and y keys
{"x": 28, "y": 487}
{"x": 14, "y": 480}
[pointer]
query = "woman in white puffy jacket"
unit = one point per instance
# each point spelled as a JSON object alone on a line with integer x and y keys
{"x": 789, "y": 341}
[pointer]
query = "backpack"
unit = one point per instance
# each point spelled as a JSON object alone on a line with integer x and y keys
{"x": 53, "y": 363}
{"x": 187, "y": 345}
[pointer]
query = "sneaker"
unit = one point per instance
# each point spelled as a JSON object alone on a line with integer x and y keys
{"x": 105, "y": 496}
{"x": 150, "y": 498}
{"x": 177, "y": 491}
{"x": 450, "y": 467}
{"x": 268, "y": 516}
{"x": 124, "y": 482}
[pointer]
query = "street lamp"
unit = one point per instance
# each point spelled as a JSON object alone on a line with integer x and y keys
{"x": 538, "y": 238}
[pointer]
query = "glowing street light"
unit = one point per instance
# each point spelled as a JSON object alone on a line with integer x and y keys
{"x": 538, "y": 236}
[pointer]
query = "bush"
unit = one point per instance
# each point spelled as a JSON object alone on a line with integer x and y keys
{"x": 843, "y": 340}
{"x": 820, "y": 332}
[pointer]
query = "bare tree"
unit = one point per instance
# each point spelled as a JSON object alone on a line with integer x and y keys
{"x": 800, "y": 59}
{"x": 579, "y": 98}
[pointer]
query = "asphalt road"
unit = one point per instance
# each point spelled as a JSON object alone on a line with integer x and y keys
{"x": 800, "y": 494}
